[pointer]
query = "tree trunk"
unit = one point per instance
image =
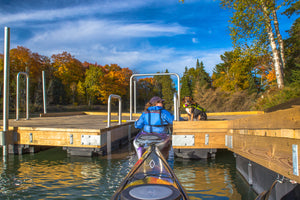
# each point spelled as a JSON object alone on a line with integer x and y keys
{"x": 280, "y": 41}
{"x": 276, "y": 57}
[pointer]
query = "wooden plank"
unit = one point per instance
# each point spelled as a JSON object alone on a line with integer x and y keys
{"x": 271, "y": 152}
{"x": 282, "y": 119}
{"x": 202, "y": 130}
{"x": 282, "y": 133}
{"x": 215, "y": 130}
{"x": 185, "y": 125}
{"x": 51, "y": 138}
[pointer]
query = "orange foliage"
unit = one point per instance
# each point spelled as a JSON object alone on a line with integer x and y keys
{"x": 114, "y": 81}
{"x": 271, "y": 77}
{"x": 68, "y": 69}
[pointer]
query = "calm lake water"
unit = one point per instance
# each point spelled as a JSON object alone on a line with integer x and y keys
{"x": 52, "y": 174}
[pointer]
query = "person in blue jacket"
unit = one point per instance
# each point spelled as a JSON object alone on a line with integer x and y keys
{"x": 155, "y": 118}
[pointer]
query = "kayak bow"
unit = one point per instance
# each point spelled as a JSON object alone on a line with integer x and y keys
{"x": 150, "y": 178}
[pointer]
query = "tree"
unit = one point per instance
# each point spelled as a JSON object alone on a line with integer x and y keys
{"x": 93, "y": 76}
{"x": 115, "y": 80}
{"x": 145, "y": 90}
{"x": 235, "y": 74}
{"x": 167, "y": 89}
{"x": 186, "y": 87}
{"x": 253, "y": 23}
{"x": 292, "y": 72}
{"x": 69, "y": 70}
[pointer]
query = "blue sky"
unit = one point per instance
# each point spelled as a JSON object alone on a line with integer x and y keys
{"x": 147, "y": 36}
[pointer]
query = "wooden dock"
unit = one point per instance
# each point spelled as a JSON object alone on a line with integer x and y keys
{"x": 266, "y": 146}
{"x": 79, "y": 133}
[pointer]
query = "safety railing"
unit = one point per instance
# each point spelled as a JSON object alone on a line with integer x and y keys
{"x": 157, "y": 74}
{"x": 109, "y": 109}
{"x": 176, "y": 110}
{"x": 18, "y": 96}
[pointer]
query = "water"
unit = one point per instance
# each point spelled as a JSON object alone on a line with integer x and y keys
{"x": 53, "y": 175}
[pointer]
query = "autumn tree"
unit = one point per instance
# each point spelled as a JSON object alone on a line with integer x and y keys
{"x": 91, "y": 84}
{"x": 115, "y": 80}
{"x": 69, "y": 70}
{"x": 23, "y": 60}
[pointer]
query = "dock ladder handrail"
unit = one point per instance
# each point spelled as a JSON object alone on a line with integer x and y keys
{"x": 176, "y": 110}
{"x": 155, "y": 74}
{"x": 109, "y": 109}
{"x": 27, "y": 95}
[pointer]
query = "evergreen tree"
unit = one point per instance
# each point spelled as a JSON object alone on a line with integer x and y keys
{"x": 167, "y": 90}
{"x": 186, "y": 89}
{"x": 202, "y": 77}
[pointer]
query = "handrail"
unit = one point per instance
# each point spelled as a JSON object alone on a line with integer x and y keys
{"x": 27, "y": 95}
{"x": 176, "y": 110}
{"x": 109, "y": 109}
{"x": 156, "y": 74}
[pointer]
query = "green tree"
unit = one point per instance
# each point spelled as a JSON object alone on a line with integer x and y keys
{"x": 167, "y": 89}
{"x": 254, "y": 23}
{"x": 93, "y": 76}
{"x": 235, "y": 73}
{"x": 202, "y": 77}
{"x": 292, "y": 72}
{"x": 186, "y": 87}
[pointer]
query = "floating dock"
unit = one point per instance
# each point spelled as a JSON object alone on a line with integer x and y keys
{"x": 82, "y": 133}
{"x": 266, "y": 147}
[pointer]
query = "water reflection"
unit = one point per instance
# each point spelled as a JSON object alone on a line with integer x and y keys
{"x": 212, "y": 179}
{"x": 52, "y": 174}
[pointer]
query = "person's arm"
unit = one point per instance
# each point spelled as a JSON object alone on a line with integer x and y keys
{"x": 140, "y": 122}
{"x": 168, "y": 116}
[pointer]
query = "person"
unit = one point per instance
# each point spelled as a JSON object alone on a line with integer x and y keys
{"x": 155, "y": 118}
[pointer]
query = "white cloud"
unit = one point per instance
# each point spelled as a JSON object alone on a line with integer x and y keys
{"x": 95, "y": 31}
{"x": 70, "y": 12}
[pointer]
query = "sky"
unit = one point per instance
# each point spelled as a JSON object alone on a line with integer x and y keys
{"x": 147, "y": 36}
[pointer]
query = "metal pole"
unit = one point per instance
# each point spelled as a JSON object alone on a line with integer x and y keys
{"x": 17, "y": 98}
{"x": 175, "y": 107}
{"x": 44, "y": 92}
{"x": 134, "y": 94}
{"x": 5, "y": 87}
{"x": 27, "y": 97}
{"x": 130, "y": 98}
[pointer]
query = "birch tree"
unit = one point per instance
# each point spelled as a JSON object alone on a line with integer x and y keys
{"x": 254, "y": 23}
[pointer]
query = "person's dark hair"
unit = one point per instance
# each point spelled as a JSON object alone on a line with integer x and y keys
{"x": 153, "y": 101}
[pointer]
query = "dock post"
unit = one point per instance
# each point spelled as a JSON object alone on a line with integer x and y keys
{"x": 5, "y": 88}
{"x": 44, "y": 92}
